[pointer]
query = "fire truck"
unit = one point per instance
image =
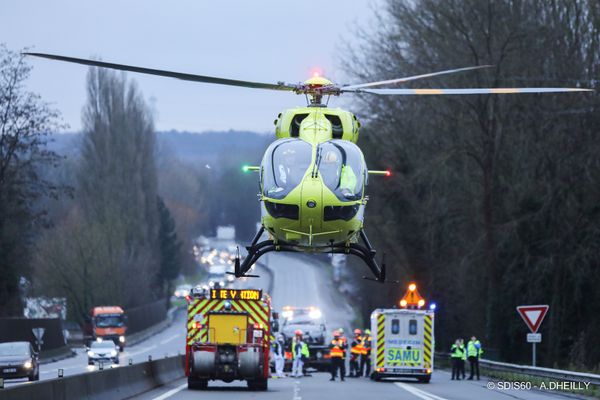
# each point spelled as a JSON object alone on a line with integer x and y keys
{"x": 228, "y": 337}
{"x": 402, "y": 339}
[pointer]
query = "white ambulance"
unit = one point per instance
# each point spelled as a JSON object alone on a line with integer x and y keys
{"x": 402, "y": 343}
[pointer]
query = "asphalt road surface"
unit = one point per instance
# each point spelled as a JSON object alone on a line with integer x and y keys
{"x": 300, "y": 280}
{"x": 168, "y": 342}
{"x": 318, "y": 386}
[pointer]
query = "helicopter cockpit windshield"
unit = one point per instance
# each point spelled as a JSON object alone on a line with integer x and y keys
{"x": 342, "y": 168}
{"x": 284, "y": 165}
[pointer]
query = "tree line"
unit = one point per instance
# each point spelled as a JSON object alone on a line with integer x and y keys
{"x": 112, "y": 219}
{"x": 494, "y": 201}
{"x": 110, "y": 238}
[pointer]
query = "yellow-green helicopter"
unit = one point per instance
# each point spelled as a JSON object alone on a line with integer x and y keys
{"x": 313, "y": 176}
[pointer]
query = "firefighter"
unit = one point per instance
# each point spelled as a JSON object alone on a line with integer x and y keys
{"x": 456, "y": 358}
{"x": 474, "y": 352}
{"x": 365, "y": 358}
{"x": 279, "y": 356}
{"x": 297, "y": 345}
{"x": 337, "y": 351}
{"x": 356, "y": 350}
{"x": 345, "y": 342}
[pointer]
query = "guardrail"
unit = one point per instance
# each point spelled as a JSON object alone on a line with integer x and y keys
{"x": 113, "y": 383}
{"x": 540, "y": 372}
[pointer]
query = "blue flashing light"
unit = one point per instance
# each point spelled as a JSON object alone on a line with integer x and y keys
{"x": 432, "y": 306}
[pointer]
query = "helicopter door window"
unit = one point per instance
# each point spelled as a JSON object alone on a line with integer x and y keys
{"x": 284, "y": 166}
{"x": 342, "y": 169}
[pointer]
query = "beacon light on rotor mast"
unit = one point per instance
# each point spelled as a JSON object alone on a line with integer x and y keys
{"x": 412, "y": 299}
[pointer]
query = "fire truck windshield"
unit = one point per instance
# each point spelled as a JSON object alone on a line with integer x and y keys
{"x": 106, "y": 321}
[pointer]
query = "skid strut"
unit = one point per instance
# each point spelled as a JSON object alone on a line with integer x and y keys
{"x": 257, "y": 249}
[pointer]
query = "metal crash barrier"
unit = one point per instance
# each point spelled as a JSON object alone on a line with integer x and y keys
{"x": 114, "y": 383}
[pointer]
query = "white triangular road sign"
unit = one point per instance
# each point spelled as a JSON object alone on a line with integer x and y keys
{"x": 533, "y": 315}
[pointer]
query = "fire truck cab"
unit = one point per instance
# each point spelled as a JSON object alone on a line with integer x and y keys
{"x": 228, "y": 337}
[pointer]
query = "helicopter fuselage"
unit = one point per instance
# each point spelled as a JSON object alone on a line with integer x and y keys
{"x": 312, "y": 179}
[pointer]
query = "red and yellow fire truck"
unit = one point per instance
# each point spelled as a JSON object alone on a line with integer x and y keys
{"x": 228, "y": 337}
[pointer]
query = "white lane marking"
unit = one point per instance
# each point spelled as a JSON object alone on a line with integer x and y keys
{"x": 297, "y": 391}
{"x": 167, "y": 340}
{"x": 170, "y": 392}
{"x": 135, "y": 353}
{"x": 55, "y": 371}
{"x": 419, "y": 393}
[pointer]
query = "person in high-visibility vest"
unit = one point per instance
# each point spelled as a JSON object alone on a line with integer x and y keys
{"x": 463, "y": 358}
{"x": 337, "y": 351}
{"x": 345, "y": 341}
{"x": 305, "y": 354}
{"x": 456, "y": 358}
{"x": 297, "y": 345}
{"x": 365, "y": 358}
{"x": 474, "y": 352}
{"x": 356, "y": 350}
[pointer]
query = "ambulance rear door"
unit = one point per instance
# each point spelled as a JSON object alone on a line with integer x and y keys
{"x": 404, "y": 341}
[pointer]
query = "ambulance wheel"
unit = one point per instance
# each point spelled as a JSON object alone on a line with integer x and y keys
{"x": 425, "y": 379}
{"x": 197, "y": 384}
{"x": 375, "y": 377}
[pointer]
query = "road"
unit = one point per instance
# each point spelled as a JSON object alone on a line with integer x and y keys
{"x": 301, "y": 281}
{"x": 319, "y": 387}
{"x": 168, "y": 342}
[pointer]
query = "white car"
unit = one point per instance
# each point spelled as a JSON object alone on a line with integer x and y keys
{"x": 104, "y": 351}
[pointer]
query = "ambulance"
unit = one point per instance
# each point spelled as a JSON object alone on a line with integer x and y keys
{"x": 403, "y": 340}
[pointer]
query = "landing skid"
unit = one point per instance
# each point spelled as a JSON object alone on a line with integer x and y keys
{"x": 257, "y": 249}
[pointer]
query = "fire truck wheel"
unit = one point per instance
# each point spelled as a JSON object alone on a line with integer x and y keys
{"x": 197, "y": 384}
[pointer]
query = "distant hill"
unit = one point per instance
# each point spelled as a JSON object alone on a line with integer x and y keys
{"x": 188, "y": 146}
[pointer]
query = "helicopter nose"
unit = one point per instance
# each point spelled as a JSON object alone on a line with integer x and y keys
{"x": 311, "y": 208}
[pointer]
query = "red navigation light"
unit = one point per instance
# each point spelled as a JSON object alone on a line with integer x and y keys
{"x": 388, "y": 173}
{"x": 316, "y": 74}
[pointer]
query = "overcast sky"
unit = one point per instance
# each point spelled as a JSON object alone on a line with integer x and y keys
{"x": 260, "y": 40}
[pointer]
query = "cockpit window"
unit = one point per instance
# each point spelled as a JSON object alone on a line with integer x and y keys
{"x": 284, "y": 166}
{"x": 342, "y": 168}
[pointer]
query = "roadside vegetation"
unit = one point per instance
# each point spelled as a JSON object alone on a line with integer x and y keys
{"x": 493, "y": 200}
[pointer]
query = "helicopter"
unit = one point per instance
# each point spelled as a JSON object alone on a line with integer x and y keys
{"x": 312, "y": 178}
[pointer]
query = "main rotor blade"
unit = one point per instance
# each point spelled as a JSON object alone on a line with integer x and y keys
{"x": 170, "y": 74}
{"x": 408, "y": 92}
{"x": 414, "y": 77}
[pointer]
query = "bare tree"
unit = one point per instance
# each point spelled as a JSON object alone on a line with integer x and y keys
{"x": 25, "y": 122}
